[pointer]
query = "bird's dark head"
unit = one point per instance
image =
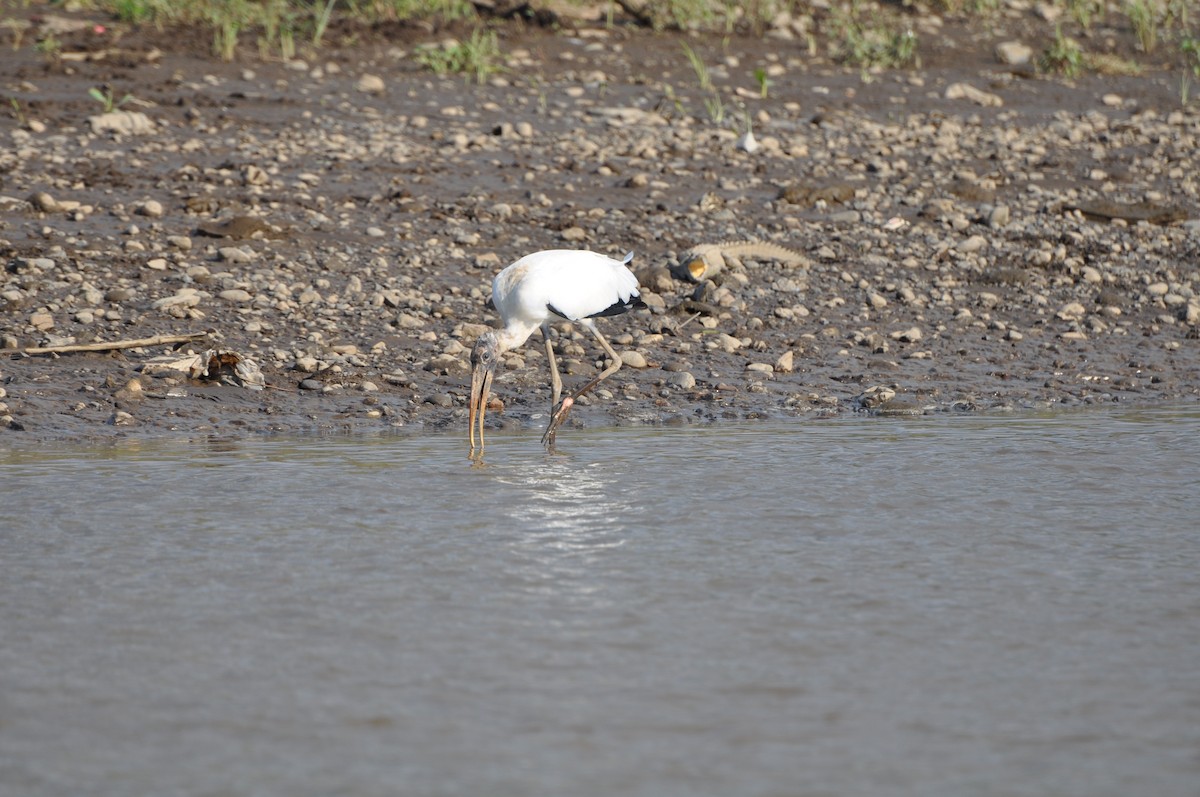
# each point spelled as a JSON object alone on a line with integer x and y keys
{"x": 486, "y": 352}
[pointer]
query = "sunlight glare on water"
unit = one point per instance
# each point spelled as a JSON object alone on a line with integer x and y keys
{"x": 934, "y": 606}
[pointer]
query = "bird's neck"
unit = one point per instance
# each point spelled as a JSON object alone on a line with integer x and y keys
{"x": 513, "y": 335}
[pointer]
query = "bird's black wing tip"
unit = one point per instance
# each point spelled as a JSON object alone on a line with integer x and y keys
{"x": 622, "y": 306}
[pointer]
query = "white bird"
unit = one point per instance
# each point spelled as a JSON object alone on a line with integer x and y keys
{"x": 534, "y": 292}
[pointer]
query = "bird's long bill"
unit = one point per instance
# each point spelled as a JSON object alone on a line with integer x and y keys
{"x": 481, "y": 385}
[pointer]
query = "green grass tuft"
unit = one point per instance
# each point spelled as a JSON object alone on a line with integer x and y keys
{"x": 1145, "y": 17}
{"x": 865, "y": 38}
{"x": 479, "y": 56}
{"x": 1064, "y": 55}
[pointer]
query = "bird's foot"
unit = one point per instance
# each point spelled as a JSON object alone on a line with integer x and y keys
{"x": 556, "y": 420}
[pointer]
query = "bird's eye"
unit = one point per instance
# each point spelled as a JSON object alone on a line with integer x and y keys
{"x": 482, "y": 356}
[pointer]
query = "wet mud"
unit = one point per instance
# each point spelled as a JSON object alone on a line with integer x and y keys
{"x": 1022, "y": 243}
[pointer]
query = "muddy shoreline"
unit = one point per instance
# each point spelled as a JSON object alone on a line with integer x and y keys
{"x": 336, "y": 222}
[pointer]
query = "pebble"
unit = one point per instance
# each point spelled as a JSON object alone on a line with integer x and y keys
{"x": 633, "y": 359}
{"x": 1072, "y": 311}
{"x": 785, "y": 364}
{"x": 972, "y": 244}
{"x": 312, "y": 384}
{"x": 965, "y": 91}
{"x": 448, "y": 363}
{"x": 370, "y": 84}
{"x": 727, "y": 343}
{"x": 1014, "y": 53}
{"x": 43, "y": 202}
{"x": 236, "y": 254}
{"x": 151, "y": 208}
{"x": 748, "y": 143}
{"x": 681, "y": 380}
{"x": 184, "y": 297}
{"x": 129, "y": 123}
{"x": 874, "y": 397}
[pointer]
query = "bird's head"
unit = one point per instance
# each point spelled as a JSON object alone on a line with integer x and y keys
{"x": 483, "y": 367}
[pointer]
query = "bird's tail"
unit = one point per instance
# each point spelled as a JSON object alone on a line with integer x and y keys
{"x": 628, "y": 259}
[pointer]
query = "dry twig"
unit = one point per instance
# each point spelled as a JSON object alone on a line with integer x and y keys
{"x": 157, "y": 340}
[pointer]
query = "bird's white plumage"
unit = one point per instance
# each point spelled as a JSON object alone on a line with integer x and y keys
{"x": 576, "y": 283}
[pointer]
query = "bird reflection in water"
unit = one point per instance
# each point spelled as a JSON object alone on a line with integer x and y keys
{"x": 563, "y": 519}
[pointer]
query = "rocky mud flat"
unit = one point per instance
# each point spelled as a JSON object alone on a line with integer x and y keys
{"x": 964, "y": 237}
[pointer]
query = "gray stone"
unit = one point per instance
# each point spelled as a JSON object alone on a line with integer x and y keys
{"x": 236, "y": 254}
{"x": 681, "y": 380}
{"x": 151, "y": 208}
{"x": 1014, "y": 53}
{"x": 370, "y": 84}
{"x": 130, "y": 123}
{"x": 633, "y": 359}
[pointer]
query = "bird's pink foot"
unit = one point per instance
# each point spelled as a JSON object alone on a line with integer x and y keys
{"x": 556, "y": 420}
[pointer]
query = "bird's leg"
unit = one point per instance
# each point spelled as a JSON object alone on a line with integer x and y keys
{"x": 555, "y": 392}
{"x": 560, "y": 414}
{"x": 555, "y": 379}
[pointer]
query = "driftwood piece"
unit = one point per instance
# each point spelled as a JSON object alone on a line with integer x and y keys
{"x": 113, "y": 345}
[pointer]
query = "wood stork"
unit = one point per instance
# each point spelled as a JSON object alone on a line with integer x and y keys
{"x": 534, "y": 292}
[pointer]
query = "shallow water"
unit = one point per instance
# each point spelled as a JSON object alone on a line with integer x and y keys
{"x": 934, "y": 606}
